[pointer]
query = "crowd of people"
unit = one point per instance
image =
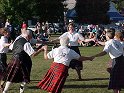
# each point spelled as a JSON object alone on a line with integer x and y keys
{"x": 65, "y": 56}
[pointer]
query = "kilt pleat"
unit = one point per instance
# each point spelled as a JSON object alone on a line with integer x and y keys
{"x": 54, "y": 79}
{"x": 17, "y": 71}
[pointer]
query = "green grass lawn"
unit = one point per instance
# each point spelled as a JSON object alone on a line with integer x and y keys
{"x": 94, "y": 74}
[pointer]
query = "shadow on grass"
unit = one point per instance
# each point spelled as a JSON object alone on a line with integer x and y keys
{"x": 76, "y": 86}
{"x": 89, "y": 79}
{"x": 85, "y": 86}
{"x": 35, "y": 81}
{"x": 33, "y": 87}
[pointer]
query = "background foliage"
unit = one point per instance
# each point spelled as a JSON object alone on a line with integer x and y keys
{"x": 88, "y": 11}
{"x": 92, "y": 11}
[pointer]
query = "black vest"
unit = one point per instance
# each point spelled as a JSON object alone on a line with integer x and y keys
{"x": 18, "y": 46}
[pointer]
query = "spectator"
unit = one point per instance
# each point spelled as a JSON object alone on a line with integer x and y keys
{"x": 38, "y": 27}
{"x": 24, "y": 25}
{"x": 7, "y": 23}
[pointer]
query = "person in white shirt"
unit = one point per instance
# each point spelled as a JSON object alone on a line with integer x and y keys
{"x": 7, "y": 23}
{"x": 115, "y": 50}
{"x": 74, "y": 39}
{"x": 118, "y": 36}
{"x": 19, "y": 67}
{"x": 55, "y": 77}
{"x": 3, "y": 50}
{"x": 4, "y": 44}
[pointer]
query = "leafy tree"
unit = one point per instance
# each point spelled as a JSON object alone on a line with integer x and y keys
{"x": 92, "y": 11}
{"x": 16, "y": 10}
{"x": 119, "y": 4}
{"x": 49, "y": 10}
{"x": 19, "y": 10}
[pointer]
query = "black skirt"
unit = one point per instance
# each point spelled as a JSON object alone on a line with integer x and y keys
{"x": 3, "y": 58}
{"x": 3, "y": 64}
{"x": 75, "y": 63}
{"x": 117, "y": 74}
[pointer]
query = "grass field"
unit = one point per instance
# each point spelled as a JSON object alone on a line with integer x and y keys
{"x": 94, "y": 74}
{"x": 95, "y": 77}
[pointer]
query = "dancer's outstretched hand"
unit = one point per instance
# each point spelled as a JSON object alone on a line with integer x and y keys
{"x": 91, "y": 58}
{"x": 44, "y": 47}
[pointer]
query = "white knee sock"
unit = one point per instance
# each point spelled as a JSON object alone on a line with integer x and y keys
{"x": 22, "y": 87}
{"x": 6, "y": 87}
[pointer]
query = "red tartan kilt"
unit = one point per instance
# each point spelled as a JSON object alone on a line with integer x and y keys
{"x": 55, "y": 78}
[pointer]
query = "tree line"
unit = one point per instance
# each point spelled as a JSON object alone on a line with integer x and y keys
{"x": 88, "y": 11}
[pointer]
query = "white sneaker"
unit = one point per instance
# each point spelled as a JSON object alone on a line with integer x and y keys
{"x": 4, "y": 92}
{"x": 22, "y": 89}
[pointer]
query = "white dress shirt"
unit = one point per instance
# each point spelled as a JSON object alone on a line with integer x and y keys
{"x": 63, "y": 55}
{"x": 3, "y": 40}
{"x": 73, "y": 38}
{"x": 114, "y": 48}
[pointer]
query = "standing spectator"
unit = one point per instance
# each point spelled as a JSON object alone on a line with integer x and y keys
{"x": 99, "y": 32}
{"x": 55, "y": 77}
{"x": 10, "y": 28}
{"x": 24, "y": 25}
{"x": 81, "y": 29}
{"x": 19, "y": 67}
{"x": 115, "y": 50}
{"x": 74, "y": 39}
{"x": 3, "y": 50}
{"x": 7, "y": 23}
{"x": 43, "y": 27}
{"x": 2, "y": 24}
{"x": 103, "y": 37}
{"x": 38, "y": 27}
